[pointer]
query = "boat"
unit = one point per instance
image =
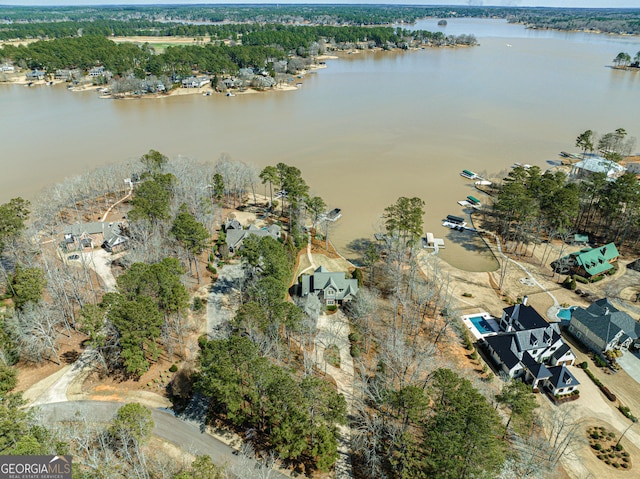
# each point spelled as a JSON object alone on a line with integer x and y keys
{"x": 469, "y": 174}
{"x": 526, "y": 166}
{"x": 483, "y": 183}
{"x": 455, "y": 226}
{"x": 230, "y": 94}
{"x": 206, "y": 93}
{"x": 334, "y": 215}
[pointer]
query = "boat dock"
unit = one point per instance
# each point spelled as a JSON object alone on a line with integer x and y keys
{"x": 469, "y": 175}
{"x": 468, "y": 204}
{"x": 430, "y": 242}
{"x": 454, "y": 222}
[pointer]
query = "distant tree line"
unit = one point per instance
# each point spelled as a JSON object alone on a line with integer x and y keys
{"x": 88, "y": 51}
{"x": 22, "y": 21}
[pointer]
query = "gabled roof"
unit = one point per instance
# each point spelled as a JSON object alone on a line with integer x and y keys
{"x": 112, "y": 231}
{"x": 322, "y": 279}
{"x": 605, "y": 320}
{"x": 236, "y": 236}
{"x": 232, "y": 223}
{"x": 530, "y": 339}
{"x": 598, "y": 164}
{"x": 596, "y": 260}
{"x": 504, "y": 345}
{"x": 561, "y": 351}
{"x": 561, "y": 377}
{"x": 538, "y": 370}
{"x": 524, "y": 317}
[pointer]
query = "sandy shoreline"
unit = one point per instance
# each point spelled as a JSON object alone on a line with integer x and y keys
{"x": 19, "y": 78}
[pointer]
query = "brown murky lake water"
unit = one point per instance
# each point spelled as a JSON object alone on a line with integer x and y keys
{"x": 369, "y": 128}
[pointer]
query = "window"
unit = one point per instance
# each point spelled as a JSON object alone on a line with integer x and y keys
{"x": 330, "y": 302}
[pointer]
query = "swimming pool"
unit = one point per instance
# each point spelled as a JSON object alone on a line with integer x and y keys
{"x": 481, "y": 324}
{"x": 564, "y": 314}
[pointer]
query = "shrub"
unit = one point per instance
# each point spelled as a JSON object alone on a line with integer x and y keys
{"x": 355, "y": 351}
{"x": 355, "y": 337}
{"x": 610, "y": 396}
{"x": 599, "y": 361}
{"x": 573, "y": 286}
{"x": 467, "y": 295}
{"x": 597, "y": 278}
{"x": 202, "y": 340}
{"x": 332, "y": 307}
{"x": 173, "y": 368}
{"x": 198, "y": 304}
{"x": 595, "y": 435}
{"x": 584, "y": 365}
{"x": 357, "y": 274}
{"x": 212, "y": 269}
{"x": 580, "y": 279}
{"x": 597, "y": 446}
{"x": 474, "y": 355}
{"x": 619, "y": 447}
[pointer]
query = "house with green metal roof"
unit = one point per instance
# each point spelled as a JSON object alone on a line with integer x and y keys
{"x": 591, "y": 262}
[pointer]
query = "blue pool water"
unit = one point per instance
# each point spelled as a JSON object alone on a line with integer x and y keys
{"x": 481, "y": 324}
{"x": 564, "y": 314}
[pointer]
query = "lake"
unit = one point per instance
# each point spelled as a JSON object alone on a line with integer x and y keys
{"x": 367, "y": 129}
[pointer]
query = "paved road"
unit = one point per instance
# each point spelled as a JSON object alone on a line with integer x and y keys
{"x": 630, "y": 362}
{"x": 184, "y": 434}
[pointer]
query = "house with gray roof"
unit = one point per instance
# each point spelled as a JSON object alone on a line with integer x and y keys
{"x": 330, "y": 287}
{"x": 602, "y": 327}
{"x": 528, "y": 347}
{"x": 236, "y": 234}
{"x": 111, "y": 236}
{"x": 596, "y": 164}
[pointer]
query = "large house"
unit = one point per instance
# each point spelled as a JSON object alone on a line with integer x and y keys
{"x": 602, "y": 327}
{"x": 589, "y": 262}
{"x": 596, "y": 164}
{"x": 331, "y": 288}
{"x": 236, "y": 233}
{"x": 110, "y": 236}
{"x": 195, "y": 82}
{"x": 531, "y": 348}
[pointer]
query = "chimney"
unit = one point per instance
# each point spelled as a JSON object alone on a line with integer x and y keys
{"x": 525, "y": 300}
{"x": 606, "y": 310}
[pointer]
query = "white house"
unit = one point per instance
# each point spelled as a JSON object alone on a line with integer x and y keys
{"x": 531, "y": 348}
{"x": 596, "y": 164}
